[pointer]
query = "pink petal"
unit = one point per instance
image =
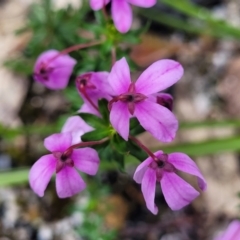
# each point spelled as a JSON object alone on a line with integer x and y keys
{"x": 86, "y": 160}
{"x": 100, "y": 87}
{"x": 61, "y": 69}
{"x": 119, "y": 118}
{"x": 77, "y": 127}
{"x": 98, "y": 4}
{"x": 176, "y": 191}
{"x": 159, "y": 76}
{"x": 58, "y": 142}
{"x": 141, "y": 169}
{"x": 88, "y": 108}
{"x": 184, "y": 163}
{"x": 69, "y": 182}
{"x": 232, "y": 232}
{"x": 143, "y": 3}
{"x": 100, "y": 80}
{"x": 122, "y": 15}
{"x": 157, "y": 120}
{"x": 119, "y": 77}
{"x": 41, "y": 173}
{"x": 148, "y": 189}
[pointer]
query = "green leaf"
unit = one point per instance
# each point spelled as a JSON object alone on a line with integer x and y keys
{"x": 108, "y": 154}
{"x": 136, "y": 151}
{"x": 93, "y": 120}
{"x": 135, "y": 127}
{"x": 73, "y": 97}
{"x": 119, "y": 144}
{"x": 104, "y": 151}
{"x": 118, "y": 158}
{"x": 96, "y": 135}
{"x": 103, "y": 109}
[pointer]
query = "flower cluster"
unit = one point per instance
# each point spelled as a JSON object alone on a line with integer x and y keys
{"x": 115, "y": 122}
{"x": 126, "y": 99}
{"x": 63, "y": 160}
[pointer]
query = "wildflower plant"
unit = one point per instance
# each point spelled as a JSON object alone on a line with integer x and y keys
{"x": 115, "y": 110}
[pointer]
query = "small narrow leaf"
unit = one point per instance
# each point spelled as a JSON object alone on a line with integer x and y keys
{"x": 96, "y": 135}
{"x": 135, "y": 127}
{"x": 119, "y": 144}
{"x": 136, "y": 151}
{"x": 93, "y": 120}
{"x": 103, "y": 109}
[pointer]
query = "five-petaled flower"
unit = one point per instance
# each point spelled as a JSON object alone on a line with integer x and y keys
{"x": 121, "y": 11}
{"x": 138, "y": 98}
{"x": 53, "y": 70}
{"x": 63, "y": 161}
{"x": 162, "y": 169}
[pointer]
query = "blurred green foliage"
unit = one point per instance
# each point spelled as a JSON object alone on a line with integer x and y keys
{"x": 198, "y": 20}
{"x": 94, "y": 211}
{"x": 59, "y": 29}
{"x": 62, "y": 28}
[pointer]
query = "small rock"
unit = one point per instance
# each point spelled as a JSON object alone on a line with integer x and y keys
{"x": 45, "y": 233}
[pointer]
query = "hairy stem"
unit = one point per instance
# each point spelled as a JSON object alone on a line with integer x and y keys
{"x": 144, "y": 148}
{"x": 75, "y": 48}
{"x": 83, "y": 144}
{"x": 84, "y": 93}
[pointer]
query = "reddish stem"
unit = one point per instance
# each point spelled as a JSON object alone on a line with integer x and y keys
{"x": 84, "y": 93}
{"x": 75, "y": 48}
{"x": 104, "y": 11}
{"x": 114, "y": 57}
{"x": 83, "y": 144}
{"x": 144, "y": 148}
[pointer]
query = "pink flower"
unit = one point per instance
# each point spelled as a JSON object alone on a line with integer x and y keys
{"x": 121, "y": 11}
{"x": 135, "y": 98}
{"x": 176, "y": 191}
{"x": 95, "y": 86}
{"x": 53, "y": 70}
{"x": 77, "y": 127}
{"x": 68, "y": 180}
{"x": 232, "y": 232}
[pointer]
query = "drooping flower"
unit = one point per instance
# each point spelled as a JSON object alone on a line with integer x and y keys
{"x": 121, "y": 11}
{"x": 165, "y": 100}
{"x": 135, "y": 98}
{"x": 77, "y": 127}
{"x": 231, "y": 233}
{"x": 64, "y": 163}
{"x": 53, "y": 70}
{"x": 162, "y": 169}
{"x": 93, "y": 86}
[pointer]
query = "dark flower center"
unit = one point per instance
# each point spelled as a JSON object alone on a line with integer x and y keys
{"x": 130, "y": 98}
{"x": 63, "y": 158}
{"x": 43, "y": 71}
{"x": 83, "y": 82}
{"x": 161, "y": 164}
